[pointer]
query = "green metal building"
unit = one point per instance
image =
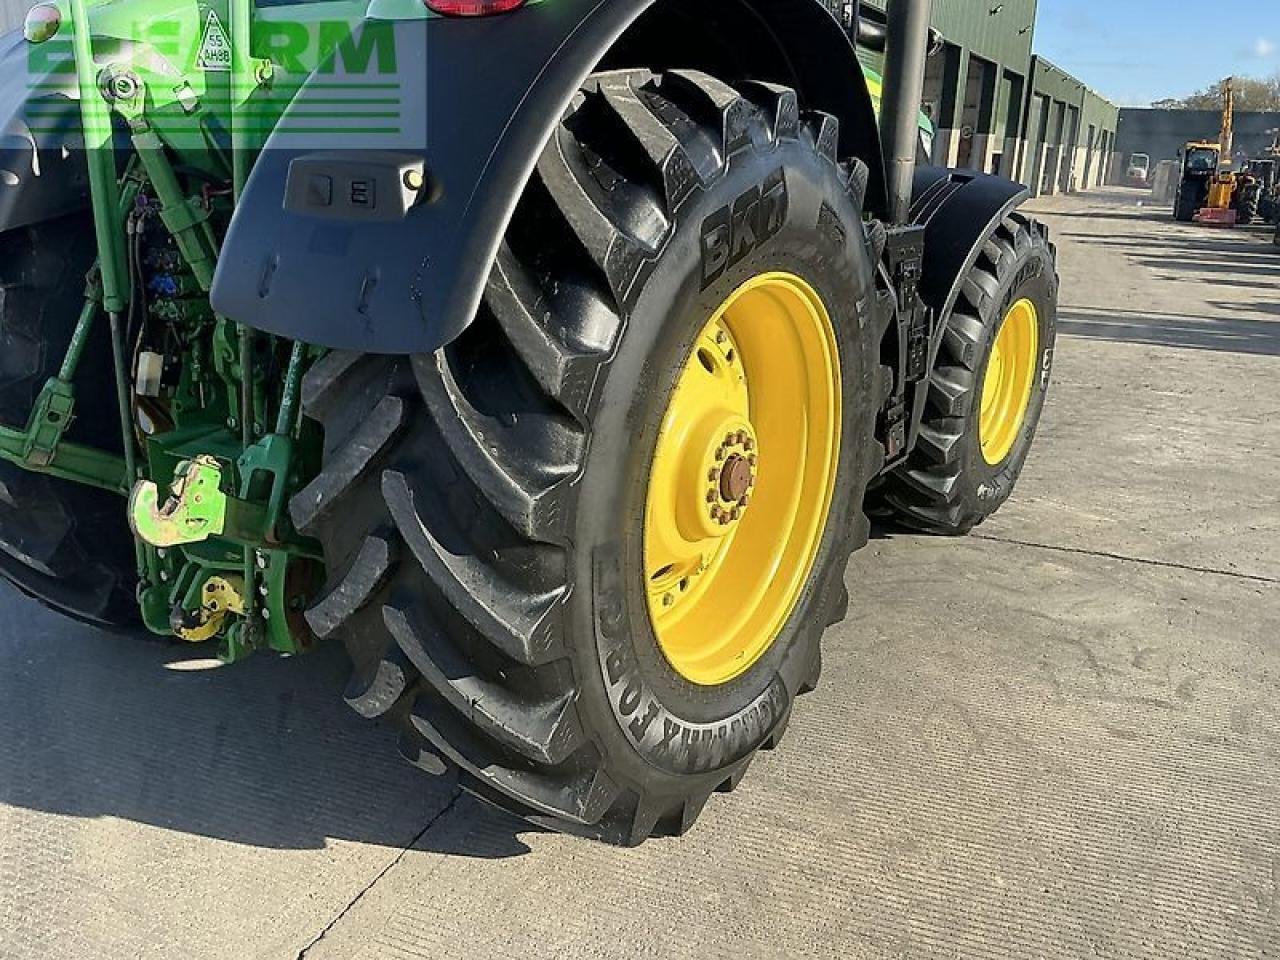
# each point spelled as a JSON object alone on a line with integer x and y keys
{"x": 999, "y": 108}
{"x": 1071, "y": 132}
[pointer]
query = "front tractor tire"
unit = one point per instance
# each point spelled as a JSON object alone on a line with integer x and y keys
{"x": 987, "y": 388}
{"x": 585, "y": 553}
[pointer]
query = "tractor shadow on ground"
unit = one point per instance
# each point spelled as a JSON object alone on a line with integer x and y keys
{"x": 1245, "y": 258}
{"x": 1255, "y": 337}
{"x": 1247, "y": 245}
{"x": 263, "y": 753}
{"x": 1217, "y": 265}
{"x": 1135, "y": 214}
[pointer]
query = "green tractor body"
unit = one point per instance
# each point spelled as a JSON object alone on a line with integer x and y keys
{"x": 324, "y": 316}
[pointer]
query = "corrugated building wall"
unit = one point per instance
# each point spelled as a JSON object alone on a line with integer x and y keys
{"x": 976, "y": 84}
{"x": 1100, "y": 121}
{"x": 1000, "y": 109}
{"x": 1070, "y": 133}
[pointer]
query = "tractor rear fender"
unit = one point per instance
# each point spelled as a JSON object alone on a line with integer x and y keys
{"x": 960, "y": 210}
{"x": 306, "y": 260}
{"x": 42, "y": 170}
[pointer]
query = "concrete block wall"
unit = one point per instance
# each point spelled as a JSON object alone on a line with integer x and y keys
{"x": 1161, "y": 133}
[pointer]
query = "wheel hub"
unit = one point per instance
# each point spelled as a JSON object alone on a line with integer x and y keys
{"x": 736, "y": 478}
{"x": 730, "y": 479}
{"x": 741, "y": 479}
{"x": 1007, "y": 385}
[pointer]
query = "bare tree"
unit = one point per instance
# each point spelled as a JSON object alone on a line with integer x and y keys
{"x": 1251, "y": 94}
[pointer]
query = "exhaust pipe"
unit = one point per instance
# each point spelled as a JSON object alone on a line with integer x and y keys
{"x": 872, "y": 30}
{"x": 906, "y": 51}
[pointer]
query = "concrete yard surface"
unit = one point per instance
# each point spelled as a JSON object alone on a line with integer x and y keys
{"x": 1057, "y": 738}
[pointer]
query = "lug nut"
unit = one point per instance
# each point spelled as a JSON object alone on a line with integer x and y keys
{"x": 748, "y": 444}
{"x": 668, "y": 600}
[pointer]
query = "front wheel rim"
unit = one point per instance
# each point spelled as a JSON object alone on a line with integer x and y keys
{"x": 742, "y": 479}
{"x": 1010, "y": 377}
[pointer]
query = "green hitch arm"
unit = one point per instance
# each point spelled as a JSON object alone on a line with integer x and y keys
{"x": 104, "y": 189}
{"x": 188, "y": 225}
{"x": 287, "y": 419}
{"x": 79, "y": 340}
{"x": 245, "y": 80}
{"x": 40, "y": 447}
{"x": 74, "y": 462}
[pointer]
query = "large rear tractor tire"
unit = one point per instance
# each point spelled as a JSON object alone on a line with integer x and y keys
{"x": 1247, "y": 204}
{"x": 585, "y": 553}
{"x": 987, "y": 389}
{"x": 65, "y": 544}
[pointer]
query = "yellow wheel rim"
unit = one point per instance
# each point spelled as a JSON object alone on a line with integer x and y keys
{"x": 1011, "y": 373}
{"x": 742, "y": 478}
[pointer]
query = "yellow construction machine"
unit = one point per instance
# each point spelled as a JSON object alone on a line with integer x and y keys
{"x": 1220, "y": 209}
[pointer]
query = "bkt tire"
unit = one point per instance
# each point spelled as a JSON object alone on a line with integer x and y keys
{"x": 987, "y": 389}
{"x": 585, "y": 553}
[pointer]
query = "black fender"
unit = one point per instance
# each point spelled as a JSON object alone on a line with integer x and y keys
{"x": 300, "y": 262}
{"x": 960, "y": 210}
{"x": 42, "y": 170}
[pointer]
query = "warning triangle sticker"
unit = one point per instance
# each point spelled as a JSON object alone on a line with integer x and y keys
{"x": 215, "y": 46}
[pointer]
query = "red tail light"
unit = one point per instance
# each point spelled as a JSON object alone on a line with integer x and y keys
{"x": 473, "y": 8}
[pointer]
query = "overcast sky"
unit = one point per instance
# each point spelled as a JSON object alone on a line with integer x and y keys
{"x": 1136, "y": 51}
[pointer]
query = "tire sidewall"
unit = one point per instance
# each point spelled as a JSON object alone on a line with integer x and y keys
{"x": 1030, "y": 276}
{"x": 663, "y": 724}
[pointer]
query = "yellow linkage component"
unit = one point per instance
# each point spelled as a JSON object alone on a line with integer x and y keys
{"x": 1221, "y": 191}
{"x": 742, "y": 478}
{"x": 220, "y": 598}
{"x": 195, "y": 510}
{"x": 1006, "y": 389}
